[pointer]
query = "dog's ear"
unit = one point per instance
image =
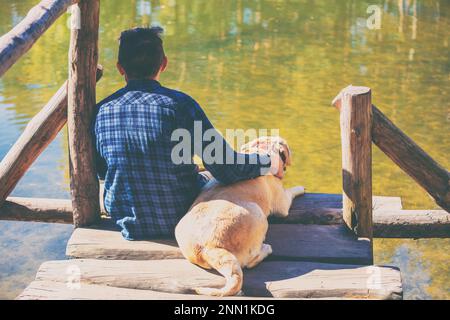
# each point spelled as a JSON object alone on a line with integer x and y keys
{"x": 285, "y": 151}
{"x": 268, "y": 144}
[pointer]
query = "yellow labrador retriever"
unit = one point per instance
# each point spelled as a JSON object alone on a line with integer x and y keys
{"x": 226, "y": 226}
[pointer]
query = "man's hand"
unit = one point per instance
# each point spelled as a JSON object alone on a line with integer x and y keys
{"x": 277, "y": 165}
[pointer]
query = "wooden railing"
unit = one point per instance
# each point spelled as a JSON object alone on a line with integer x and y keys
{"x": 74, "y": 102}
{"x": 21, "y": 38}
{"x": 361, "y": 123}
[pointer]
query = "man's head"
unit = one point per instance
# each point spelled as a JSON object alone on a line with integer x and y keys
{"x": 141, "y": 53}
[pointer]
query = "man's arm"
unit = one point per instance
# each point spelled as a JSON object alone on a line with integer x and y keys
{"x": 228, "y": 169}
{"x": 100, "y": 163}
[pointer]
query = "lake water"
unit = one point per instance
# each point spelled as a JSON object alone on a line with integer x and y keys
{"x": 256, "y": 64}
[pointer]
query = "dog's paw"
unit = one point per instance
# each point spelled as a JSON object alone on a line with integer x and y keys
{"x": 267, "y": 249}
{"x": 297, "y": 191}
{"x": 209, "y": 292}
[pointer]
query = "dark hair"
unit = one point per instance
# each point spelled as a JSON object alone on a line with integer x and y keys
{"x": 141, "y": 52}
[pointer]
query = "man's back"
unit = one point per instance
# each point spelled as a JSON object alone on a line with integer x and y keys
{"x": 144, "y": 191}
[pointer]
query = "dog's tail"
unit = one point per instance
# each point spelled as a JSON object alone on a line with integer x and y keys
{"x": 227, "y": 264}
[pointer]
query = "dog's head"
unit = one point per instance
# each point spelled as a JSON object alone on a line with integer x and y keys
{"x": 265, "y": 145}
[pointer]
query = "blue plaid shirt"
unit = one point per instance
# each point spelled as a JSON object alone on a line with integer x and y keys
{"x": 146, "y": 193}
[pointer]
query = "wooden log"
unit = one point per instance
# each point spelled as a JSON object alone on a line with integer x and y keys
{"x": 409, "y": 156}
{"x": 332, "y": 244}
{"x": 21, "y": 38}
{"x": 411, "y": 224}
{"x": 356, "y": 122}
{"x": 37, "y": 210}
{"x": 280, "y": 279}
{"x": 39, "y": 133}
{"x": 83, "y": 57}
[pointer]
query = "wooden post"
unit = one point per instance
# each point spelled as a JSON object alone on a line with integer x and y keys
{"x": 356, "y": 139}
{"x": 410, "y": 157}
{"x": 21, "y": 38}
{"x": 83, "y": 57}
{"x": 38, "y": 134}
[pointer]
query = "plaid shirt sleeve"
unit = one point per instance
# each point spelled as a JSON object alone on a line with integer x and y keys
{"x": 227, "y": 172}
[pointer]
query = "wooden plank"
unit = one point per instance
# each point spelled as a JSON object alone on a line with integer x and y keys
{"x": 409, "y": 156}
{"x": 312, "y": 208}
{"x": 109, "y": 244}
{"x": 51, "y": 290}
{"x": 83, "y": 58}
{"x": 356, "y": 139}
{"x": 312, "y": 243}
{"x": 280, "y": 279}
{"x": 325, "y": 208}
{"x": 382, "y": 203}
{"x": 38, "y": 134}
{"x": 333, "y": 244}
{"x": 412, "y": 224}
{"x": 21, "y": 38}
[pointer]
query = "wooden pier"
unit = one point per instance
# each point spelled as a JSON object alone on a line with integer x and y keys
{"x": 322, "y": 250}
{"x": 309, "y": 261}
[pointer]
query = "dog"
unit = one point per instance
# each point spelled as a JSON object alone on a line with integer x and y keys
{"x": 226, "y": 226}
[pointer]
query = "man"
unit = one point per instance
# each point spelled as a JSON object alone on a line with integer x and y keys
{"x": 146, "y": 193}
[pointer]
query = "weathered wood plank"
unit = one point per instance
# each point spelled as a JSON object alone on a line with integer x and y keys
{"x": 21, "y": 38}
{"x": 109, "y": 244}
{"x": 83, "y": 58}
{"x": 282, "y": 279}
{"x": 332, "y": 243}
{"x": 51, "y": 290}
{"x": 324, "y": 208}
{"x": 412, "y": 224}
{"x": 38, "y": 134}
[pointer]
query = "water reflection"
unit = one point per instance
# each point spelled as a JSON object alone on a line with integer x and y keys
{"x": 267, "y": 64}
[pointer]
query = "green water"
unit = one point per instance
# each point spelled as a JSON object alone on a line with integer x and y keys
{"x": 256, "y": 64}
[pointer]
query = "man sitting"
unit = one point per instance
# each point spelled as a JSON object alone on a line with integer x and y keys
{"x": 146, "y": 192}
